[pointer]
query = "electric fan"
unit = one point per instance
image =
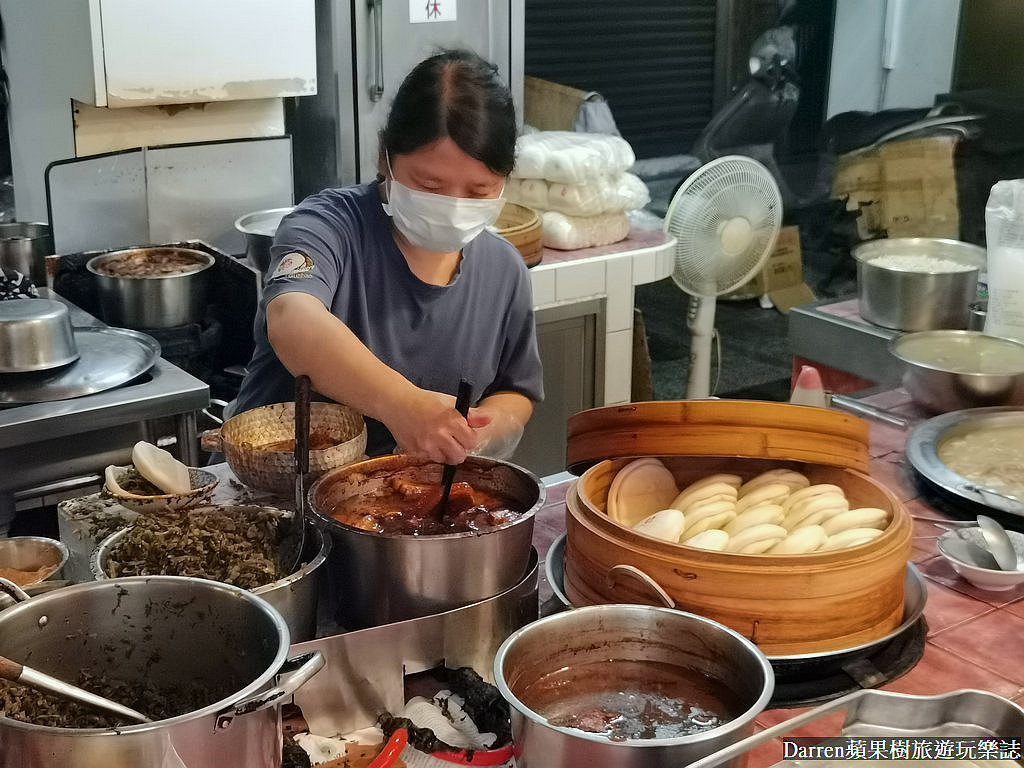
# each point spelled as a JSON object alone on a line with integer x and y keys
{"x": 725, "y": 217}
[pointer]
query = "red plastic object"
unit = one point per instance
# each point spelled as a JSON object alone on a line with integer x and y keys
{"x": 392, "y": 750}
{"x": 479, "y": 757}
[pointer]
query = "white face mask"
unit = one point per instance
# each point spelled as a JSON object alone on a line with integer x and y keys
{"x": 438, "y": 222}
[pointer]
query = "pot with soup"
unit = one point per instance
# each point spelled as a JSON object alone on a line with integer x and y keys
{"x": 398, "y": 555}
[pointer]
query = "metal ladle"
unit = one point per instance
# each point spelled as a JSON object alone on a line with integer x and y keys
{"x": 19, "y": 673}
{"x": 999, "y": 544}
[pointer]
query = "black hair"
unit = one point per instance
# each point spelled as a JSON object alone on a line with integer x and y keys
{"x": 458, "y": 95}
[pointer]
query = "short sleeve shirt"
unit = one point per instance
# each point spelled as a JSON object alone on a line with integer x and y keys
{"x": 338, "y": 246}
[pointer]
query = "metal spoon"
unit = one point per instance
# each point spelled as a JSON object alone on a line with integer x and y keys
{"x": 18, "y": 673}
{"x": 998, "y": 543}
{"x": 961, "y": 548}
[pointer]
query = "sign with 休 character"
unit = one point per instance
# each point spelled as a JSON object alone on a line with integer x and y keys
{"x": 423, "y": 11}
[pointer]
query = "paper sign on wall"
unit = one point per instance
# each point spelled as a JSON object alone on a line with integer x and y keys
{"x": 421, "y": 11}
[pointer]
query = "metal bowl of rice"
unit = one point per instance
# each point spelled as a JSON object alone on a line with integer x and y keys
{"x": 917, "y": 283}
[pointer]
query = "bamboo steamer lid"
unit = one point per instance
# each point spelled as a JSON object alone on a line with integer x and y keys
{"x": 787, "y": 604}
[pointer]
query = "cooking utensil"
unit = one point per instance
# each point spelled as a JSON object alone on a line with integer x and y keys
{"x": 924, "y": 441}
{"x": 107, "y": 358}
{"x": 159, "y": 631}
{"x": 294, "y": 543}
{"x": 732, "y": 670}
{"x": 952, "y": 370}
{"x": 963, "y": 548}
{"x": 35, "y": 335}
{"x": 999, "y": 544}
{"x": 18, "y": 673}
{"x": 448, "y": 473}
{"x": 259, "y": 228}
{"x": 915, "y": 299}
{"x": 384, "y": 578}
{"x": 976, "y": 563}
{"x": 34, "y": 554}
{"x": 861, "y": 408}
{"x": 152, "y": 301}
{"x": 24, "y": 247}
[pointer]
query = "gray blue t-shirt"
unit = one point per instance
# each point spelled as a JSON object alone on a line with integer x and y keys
{"x": 337, "y": 245}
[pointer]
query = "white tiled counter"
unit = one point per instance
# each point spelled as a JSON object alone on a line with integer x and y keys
{"x": 608, "y": 273}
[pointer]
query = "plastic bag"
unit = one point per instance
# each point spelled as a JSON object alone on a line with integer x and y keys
{"x": 1004, "y": 234}
{"x": 568, "y": 233}
{"x": 571, "y": 158}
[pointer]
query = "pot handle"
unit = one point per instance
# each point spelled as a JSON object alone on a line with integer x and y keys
{"x": 294, "y": 673}
{"x": 211, "y": 441}
{"x": 17, "y": 594}
{"x": 635, "y": 573}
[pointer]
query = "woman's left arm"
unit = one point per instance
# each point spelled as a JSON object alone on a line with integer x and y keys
{"x": 499, "y": 420}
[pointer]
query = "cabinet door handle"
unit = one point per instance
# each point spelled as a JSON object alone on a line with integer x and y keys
{"x": 377, "y": 85}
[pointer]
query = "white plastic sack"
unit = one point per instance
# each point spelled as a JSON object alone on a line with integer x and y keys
{"x": 570, "y": 157}
{"x": 1004, "y": 235}
{"x": 568, "y": 233}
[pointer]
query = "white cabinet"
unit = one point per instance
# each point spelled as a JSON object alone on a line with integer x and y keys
{"x": 148, "y": 52}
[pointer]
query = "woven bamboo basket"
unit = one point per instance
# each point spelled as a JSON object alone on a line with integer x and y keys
{"x": 787, "y": 604}
{"x": 521, "y": 226}
{"x": 243, "y": 439}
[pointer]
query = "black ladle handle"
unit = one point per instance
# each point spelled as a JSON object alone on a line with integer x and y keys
{"x": 448, "y": 474}
{"x": 302, "y": 387}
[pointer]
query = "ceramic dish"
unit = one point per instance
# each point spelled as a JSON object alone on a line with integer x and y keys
{"x": 923, "y": 446}
{"x": 203, "y": 483}
{"x": 993, "y": 580}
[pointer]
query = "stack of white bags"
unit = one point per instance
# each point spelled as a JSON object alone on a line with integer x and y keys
{"x": 581, "y": 185}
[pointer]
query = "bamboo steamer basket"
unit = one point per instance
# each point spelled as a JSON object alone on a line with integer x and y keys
{"x": 521, "y": 226}
{"x": 788, "y": 605}
{"x": 242, "y": 436}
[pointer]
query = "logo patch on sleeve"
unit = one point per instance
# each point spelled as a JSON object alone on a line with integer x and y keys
{"x": 293, "y": 264}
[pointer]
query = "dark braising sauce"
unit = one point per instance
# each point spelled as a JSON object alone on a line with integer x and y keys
{"x": 412, "y": 508}
{"x": 629, "y": 699}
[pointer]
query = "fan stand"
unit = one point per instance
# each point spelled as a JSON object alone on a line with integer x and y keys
{"x": 700, "y": 322}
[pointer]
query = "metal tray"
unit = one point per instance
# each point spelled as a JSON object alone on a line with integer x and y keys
{"x": 877, "y": 714}
{"x": 915, "y": 597}
{"x": 108, "y": 358}
{"x": 922, "y": 453}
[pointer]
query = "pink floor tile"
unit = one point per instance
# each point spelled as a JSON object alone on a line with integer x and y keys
{"x": 948, "y": 608}
{"x": 992, "y": 641}
{"x": 940, "y": 671}
{"x": 1016, "y": 608}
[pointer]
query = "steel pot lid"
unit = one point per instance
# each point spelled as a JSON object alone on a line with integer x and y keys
{"x": 35, "y": 335}
{"x": 108, "y": 358}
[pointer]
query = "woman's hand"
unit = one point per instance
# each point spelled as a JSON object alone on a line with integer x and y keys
{"x": 428, "y": 426}
{"x": 506, "y": 415}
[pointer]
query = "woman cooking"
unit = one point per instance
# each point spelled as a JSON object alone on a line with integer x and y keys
{"x": 388, "y": 294}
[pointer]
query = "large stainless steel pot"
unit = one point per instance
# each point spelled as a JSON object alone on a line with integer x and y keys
{"x": 295, "y": 597}
{"x": 914, "y": 299}
{"x": 24, "y": 247}
{"x": 384, "y": 578}
{"x": 157, "y": 301}
{"x": 161, "y": 630}
{"x": 625, "y": 633}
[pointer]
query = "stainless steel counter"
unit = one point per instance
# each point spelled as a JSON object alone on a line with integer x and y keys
{"x": 61, "y": 445}
{"x": 832, "y": 333}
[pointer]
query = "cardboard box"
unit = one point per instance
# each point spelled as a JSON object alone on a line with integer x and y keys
{"x": 902, "y": 188}
{"x": 781, "y": 277}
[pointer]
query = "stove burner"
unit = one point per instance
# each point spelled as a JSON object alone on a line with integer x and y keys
{"x": 815, "y": 681}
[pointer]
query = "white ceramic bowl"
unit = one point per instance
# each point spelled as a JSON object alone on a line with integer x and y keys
{"x": 983, "y": 578}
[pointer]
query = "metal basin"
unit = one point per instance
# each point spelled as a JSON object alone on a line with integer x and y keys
{"x": 259, "y": 228}
{"x": 35, "y": 335}
{"x": 953, "y": 370}
{"x": 393, "y": 577}
{"x": 624, "y": 635}
{"x": 33, "y": 554}
{"x": 909, "y": 297}
{"x": 24, "y": 247}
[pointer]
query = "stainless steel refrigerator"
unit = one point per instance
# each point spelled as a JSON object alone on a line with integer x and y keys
{"x": 364, "y": 50}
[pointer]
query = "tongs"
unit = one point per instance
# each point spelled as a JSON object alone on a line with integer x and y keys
{"x": 297, "y": 538}
{"x": 448, "y": 474}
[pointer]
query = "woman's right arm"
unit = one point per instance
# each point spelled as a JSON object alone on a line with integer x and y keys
{"x": 309, "y": 340}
